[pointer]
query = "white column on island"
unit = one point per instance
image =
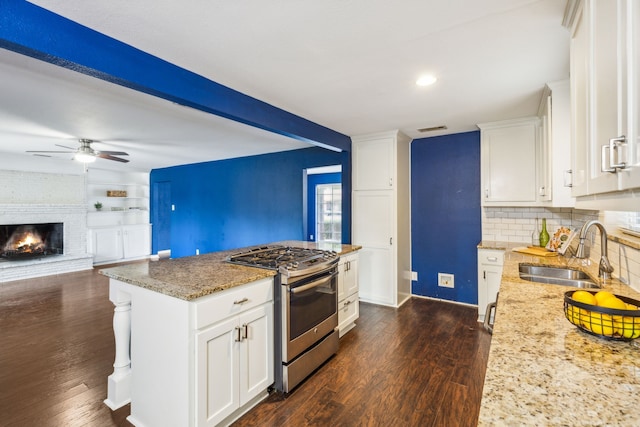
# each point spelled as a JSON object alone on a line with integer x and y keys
{"x": 119, "y": 382}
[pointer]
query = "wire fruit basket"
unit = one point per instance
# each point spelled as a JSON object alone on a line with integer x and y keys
{"x": 609, "y": 323}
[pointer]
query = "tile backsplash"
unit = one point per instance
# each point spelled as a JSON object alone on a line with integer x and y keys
{"x": 516, "y": 225}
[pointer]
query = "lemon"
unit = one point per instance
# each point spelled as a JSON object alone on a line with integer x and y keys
{"x": 602, "y": 295}
{"x": 573, "y": 314}
{"x": 613, "y": 302}
{"x": 584, "y": 297}
{"x": 601, "y": 324}
{"x": 631, "y": 307}
{"x": 629, "y": 327}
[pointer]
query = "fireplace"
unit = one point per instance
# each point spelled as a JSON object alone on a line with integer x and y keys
{"x": 26, "y": 241}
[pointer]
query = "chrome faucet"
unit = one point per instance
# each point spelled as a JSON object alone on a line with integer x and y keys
{"x": 605, "y": 269}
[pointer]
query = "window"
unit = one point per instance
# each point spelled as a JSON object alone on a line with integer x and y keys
{"x": 329, "y": 213}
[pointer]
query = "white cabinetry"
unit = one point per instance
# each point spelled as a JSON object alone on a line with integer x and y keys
{"x": 490, "y": 262}
{"x": 381, "y": 171}
{"x": 127, "y": 242}
{"x": 555, "y": 117}
{"x": 510, "y": 163}
{"x": 604, "y": 81}
{"x": 120, "y": 230}
{"x": 234, "y": 363}
{"x": 202, "y": 362}
{"x": 348, "y": 302}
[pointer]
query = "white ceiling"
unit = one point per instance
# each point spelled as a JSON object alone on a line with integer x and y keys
{"x": 349, "y": 65}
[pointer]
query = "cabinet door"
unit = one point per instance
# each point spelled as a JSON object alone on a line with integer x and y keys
{"x": 217, "y": 372}
{"x": 351, "y": 276}
{"x": 256, "y": 352}
{"x": 373, "y": 164}
{"x": 106, "y": 244}
{"x": 579, "y": 64}
{"x": 490, "y": 264}
{"x": 348, "y": 276}
{"x": 373, "y": 229}
{"x": 630, "y": 177}
{"x": 605, "y": 80}
{"x": 136, "y": 241}
{"x": 509, "y": 170}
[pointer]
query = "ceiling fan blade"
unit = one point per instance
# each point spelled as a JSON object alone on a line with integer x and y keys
{"x": 41, "y": 155}
{"x": 64, "y": 146}
{"x": 109, "y": 157}
{"x": 115, "y": 153}
{"x": 38, "y": 151}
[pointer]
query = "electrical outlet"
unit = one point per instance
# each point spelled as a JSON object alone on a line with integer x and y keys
{"x": 197, "y": 251}
{"x": 445, "y": 280}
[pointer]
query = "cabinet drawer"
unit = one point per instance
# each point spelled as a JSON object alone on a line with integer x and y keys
{"x": 221, "y": 305}
{"x": 348, "y": 310}
{"x": 487, "y": 256}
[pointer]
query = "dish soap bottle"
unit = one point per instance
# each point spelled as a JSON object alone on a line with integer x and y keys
{"x": 535, "y": 236}
{"x": 544, "y": 235}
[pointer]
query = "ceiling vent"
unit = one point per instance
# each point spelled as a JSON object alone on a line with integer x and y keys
{"x": 432, "y": 129}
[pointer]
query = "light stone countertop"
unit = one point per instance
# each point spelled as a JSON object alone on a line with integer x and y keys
{"x": 542, "y": 370}
{"x": 193, "y": 277}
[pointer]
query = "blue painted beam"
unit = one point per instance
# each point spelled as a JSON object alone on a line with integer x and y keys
{"x": 31, "y": 30}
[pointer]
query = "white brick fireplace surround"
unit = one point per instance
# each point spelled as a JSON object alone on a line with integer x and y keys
{"x": 32, "y": 197}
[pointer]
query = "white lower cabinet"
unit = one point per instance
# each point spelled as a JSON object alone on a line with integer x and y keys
{"x": 203, "y": 362}
{"x": 348, "y": 301}
{"x": 490, "y": 262}
{"x": 234, "y": 363}
{"x": 108, "y": 244}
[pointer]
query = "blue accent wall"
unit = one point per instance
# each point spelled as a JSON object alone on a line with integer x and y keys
{"x": 241, "y": 202}
{"x": 33, "y": 31}
{"x": 312, "y": 182}
{"x": 445, "y": 214}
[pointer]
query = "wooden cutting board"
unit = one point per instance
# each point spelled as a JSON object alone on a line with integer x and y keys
{"x": 534, "y": 250}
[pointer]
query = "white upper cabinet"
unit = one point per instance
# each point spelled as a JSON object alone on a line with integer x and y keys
{"x": 604, "y": 83}
{"x": 373, "y": 163}
{"x": 510, "y": 158}
{"x": 555, "y": 116}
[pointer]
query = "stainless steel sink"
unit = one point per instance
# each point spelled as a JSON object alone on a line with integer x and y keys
{"x": 557, "y": 276}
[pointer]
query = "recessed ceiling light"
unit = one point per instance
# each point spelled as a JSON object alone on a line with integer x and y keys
{"x": 426, "y": 80}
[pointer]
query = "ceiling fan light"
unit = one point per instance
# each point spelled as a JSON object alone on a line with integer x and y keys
{"x": 84, "y": 158}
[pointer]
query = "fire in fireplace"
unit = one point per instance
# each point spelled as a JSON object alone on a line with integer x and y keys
{"x": 23, "y": 241}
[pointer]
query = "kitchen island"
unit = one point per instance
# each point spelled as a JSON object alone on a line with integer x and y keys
{"x": 542, "y": 370}
{"x": 194, "y": 338}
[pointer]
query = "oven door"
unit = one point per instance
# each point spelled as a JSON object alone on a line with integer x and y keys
{"x": 310, "y": 312}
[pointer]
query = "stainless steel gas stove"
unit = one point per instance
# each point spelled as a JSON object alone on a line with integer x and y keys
{"x": 306, "y": 307}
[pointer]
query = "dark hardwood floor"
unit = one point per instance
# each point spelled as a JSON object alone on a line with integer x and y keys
{"x": 420, "y": 365}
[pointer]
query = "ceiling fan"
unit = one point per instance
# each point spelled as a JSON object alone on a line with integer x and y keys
{"x": 86, "y": 154}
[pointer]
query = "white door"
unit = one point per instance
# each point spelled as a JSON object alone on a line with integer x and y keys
{"x": 630, "y": 177}
{"x": 509, "y": 163}
{"x": 605, "y": 81}
{"x": 373, "y": 229}
{"x": 256, "y": 352}
{"x": 136, "y": 241}
{"x": 217, "y": 372}
{"x": 106, "y": 244}
{"x": 373, "y": 162}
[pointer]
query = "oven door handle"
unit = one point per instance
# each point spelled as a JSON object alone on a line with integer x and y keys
{"x": 313, "y": 284}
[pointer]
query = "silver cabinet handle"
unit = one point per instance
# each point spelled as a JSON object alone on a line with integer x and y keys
{"x": 486, "y": 193}
{"x": 492, "y": 258}
{"x": 241, "y": 301}
{"x": 245, "y": 333}
{"x": 569, "y": 182}
{"x": 238, "y": 335}
{"x": 346, "y": 303}
{"x": 615, "y": 144}
{"x": 603, "y": 158}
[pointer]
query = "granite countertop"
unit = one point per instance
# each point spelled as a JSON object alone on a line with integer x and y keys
{"x": 193, "y": 277}
{"x": 542, "y": 370}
